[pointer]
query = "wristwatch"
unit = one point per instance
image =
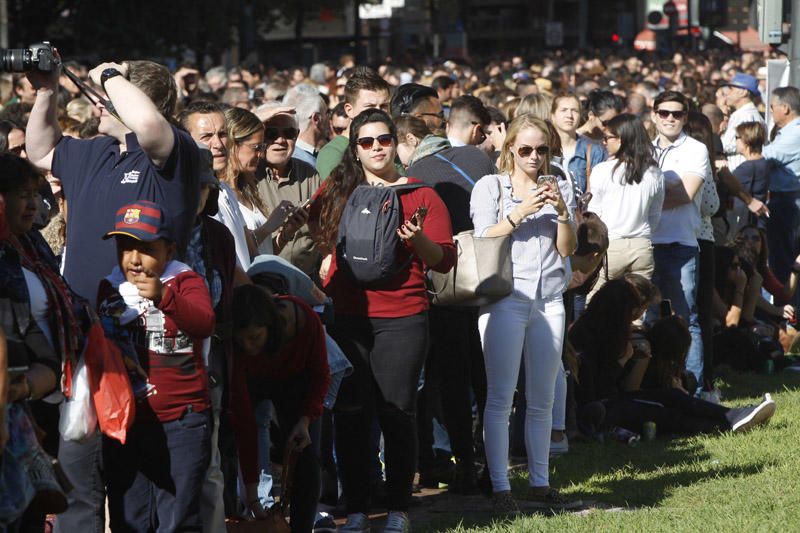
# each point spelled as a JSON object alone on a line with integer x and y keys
{"x": 107, "y": 74}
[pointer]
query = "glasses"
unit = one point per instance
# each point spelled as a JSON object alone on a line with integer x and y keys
{"x": 384, "y": 140}
{"x": 17, "y": 150}
{"x": 273, "y": 134}
{"x": 481, "y": 132}
{"x": 338, "y": 130}
{"x": 439, "y": 115}
{"x": 607, "y": 138}
{"x": 257, "y": 148}
{"x": 526, "y": 151}
{"x": 665, "y": 113}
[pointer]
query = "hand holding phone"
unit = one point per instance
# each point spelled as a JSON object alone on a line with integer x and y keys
{"x": 419, "y": 216}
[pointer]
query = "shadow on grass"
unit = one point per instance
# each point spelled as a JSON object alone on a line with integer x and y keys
{"x": 737, "y": 385}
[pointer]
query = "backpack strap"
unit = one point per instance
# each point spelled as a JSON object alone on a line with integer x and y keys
{"x": 456, "y": 168}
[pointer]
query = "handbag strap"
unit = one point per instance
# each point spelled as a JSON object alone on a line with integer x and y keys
{"x": 456, "y": 168}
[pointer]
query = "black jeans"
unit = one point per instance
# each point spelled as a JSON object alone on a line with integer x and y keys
{"x": 673, "y": 411}
{"x": 82, "y": 462}
{"x": 287, "y": 396}
{"x": 705, "y": 312}
{"x": 455, "y": 349}
{"x": 387, "y": 356}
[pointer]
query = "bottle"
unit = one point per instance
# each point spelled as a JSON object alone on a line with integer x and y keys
{"x": 624, "y": 436}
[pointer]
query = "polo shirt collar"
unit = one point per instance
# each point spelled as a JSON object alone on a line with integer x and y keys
{"x": 131, "y": 142}
{"x": 676, "y": 143}
{"x": 302, "y": 145}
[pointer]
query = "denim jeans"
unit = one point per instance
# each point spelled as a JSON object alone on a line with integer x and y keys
{"x": 513, "y": 328}
{"x": 155, "y": 478}
{"x": 82, "y": 462}
{"x": 676, "y": 276}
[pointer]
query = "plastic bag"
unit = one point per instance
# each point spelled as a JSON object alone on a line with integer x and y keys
{"x": 78, "y": 416}
{"x": 111, "y": 388}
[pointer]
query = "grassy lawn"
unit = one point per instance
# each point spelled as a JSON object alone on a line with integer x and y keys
{"x": 715, "y": 483}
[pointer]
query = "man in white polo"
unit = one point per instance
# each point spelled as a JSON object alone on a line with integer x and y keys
{"x": 684, "y": 162}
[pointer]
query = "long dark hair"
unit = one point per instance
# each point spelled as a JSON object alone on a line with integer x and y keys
{"x": 345, "y": 178}
{"x": 605, "y": 327}
{"x": 758, "y": 262}
{"x": 698, "y": 127}
{"x": 253, "y": 306}
{"x": 635, "y": 147}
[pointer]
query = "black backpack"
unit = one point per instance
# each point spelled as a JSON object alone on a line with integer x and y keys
{"x": 368, "y": 247}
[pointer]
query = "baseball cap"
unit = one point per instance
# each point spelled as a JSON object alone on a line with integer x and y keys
{"x": 142, "y": 220}
{"x": 744, "y": 81}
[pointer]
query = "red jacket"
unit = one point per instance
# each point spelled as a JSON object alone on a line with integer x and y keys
{"x": 304, "y": 354}
{"x": 179, "y": 377}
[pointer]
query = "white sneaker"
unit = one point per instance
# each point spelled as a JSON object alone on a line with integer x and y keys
{"x": 397, "y": 522}
{"x": 356, "y": 523}
{"x": 559, "y": 448}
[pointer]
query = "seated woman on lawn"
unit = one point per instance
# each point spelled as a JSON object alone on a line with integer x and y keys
{"x": 612, "y": 370}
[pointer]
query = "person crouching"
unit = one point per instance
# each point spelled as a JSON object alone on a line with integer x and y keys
{"x": 159, "y": 312}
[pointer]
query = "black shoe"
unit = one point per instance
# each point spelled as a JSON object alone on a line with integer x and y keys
{"x": 465, "y": 480}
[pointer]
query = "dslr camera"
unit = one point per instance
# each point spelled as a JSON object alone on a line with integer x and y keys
{"x": 38, "y": 56}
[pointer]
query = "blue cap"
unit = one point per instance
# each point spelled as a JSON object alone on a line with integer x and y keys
{"x": 142, "y": 220}
{"x": 744, "y": 81}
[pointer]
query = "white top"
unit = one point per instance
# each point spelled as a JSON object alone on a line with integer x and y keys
{"x": 709, "y": 206}
{"x": 230, "y": 215}
{"x": 684, "y": 156}
{"x": 746, "y": 113}
{"x": 38, "y": 299}
{"x": 254, "y": 219}
{"x": 629, "y": 211}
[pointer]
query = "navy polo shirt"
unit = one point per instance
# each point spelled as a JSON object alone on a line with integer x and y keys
{"x": 97, "y": 180}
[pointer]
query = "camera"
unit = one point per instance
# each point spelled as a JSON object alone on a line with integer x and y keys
{"x": 38, "y": 56}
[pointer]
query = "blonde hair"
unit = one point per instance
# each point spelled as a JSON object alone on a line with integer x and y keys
{"x": 80, "y": 109}
{"x": 536, "y": 104}
{"x": 505, "y": 163}
{"x": 241, "y": 124}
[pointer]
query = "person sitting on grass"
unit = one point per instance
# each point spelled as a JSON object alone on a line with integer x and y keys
{"x": 612, "y": 370}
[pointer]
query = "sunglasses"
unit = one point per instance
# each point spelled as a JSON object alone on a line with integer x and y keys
{"x": 384, "y": 140}
{"x": 665, "y": 113}
{"x": 338, "y": 130}
{"x": 526, "y": 151}
{"x": 272, "y": 134}
{"x": 258, "y": 148}
{"x": 481, "y": 132}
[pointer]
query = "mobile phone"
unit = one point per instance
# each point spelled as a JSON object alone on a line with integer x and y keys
{"x": 666, "y": 308}
{"x": 419, "y": 215}
{"x": 307, "y": 203}
{"x": 547, "y": 179}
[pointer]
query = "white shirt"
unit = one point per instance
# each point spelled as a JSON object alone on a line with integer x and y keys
{"x": 629, "y": 211}
{"x": 230, "y": 215}
{"x": 456, "y": 142}
{"x": 684, "y": 156}
{"x": 38, "y": 299}
{"x": 709, "y": 206}
{"x": 254, "y": 219}
{"x": 746, "y": 113}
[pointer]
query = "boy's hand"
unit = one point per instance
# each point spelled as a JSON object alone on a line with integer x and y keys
{"x": 149, "y": 286}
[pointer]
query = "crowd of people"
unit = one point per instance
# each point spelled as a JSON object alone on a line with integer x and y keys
{"x": 249, "y": 249}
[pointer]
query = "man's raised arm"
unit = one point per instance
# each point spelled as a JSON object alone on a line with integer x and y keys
{"x": 138, "y": 112}
{"x": 43, "y": 133}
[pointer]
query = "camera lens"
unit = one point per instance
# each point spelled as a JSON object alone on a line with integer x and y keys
{"x": 15, "y": 60}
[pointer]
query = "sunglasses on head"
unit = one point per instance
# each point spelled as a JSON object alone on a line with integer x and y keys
{"x": 384, "y": 140}
{"x": 526, "y": 151}
{"x": 272, "y": 134}
{"x": 665, "y": 113}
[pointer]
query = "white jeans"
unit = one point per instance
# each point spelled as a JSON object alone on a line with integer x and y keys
{"x": 511, "y": 328}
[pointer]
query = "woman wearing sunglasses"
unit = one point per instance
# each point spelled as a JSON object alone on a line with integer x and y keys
{"x": 537, "y": 210}
{"x": 384, "y": 332}
{"x": 627, "y": 194}
{"x": 247, "y": 138}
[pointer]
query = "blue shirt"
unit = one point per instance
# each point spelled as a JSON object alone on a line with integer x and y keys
{"x": 578, "y": 164}
{"x": 784, "y": 155}
{"x": 97, "y": 180}
{"x": 539, "y": 270}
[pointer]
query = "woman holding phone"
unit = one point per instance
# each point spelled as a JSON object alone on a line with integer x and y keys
{"x": 383, "y": 329}
{"x": 536, "y": 208}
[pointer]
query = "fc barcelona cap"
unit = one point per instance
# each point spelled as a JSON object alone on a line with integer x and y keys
{"x": 142, "y": 220}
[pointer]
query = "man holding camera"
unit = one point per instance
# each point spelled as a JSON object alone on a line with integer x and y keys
{"x": 140, "y": 156}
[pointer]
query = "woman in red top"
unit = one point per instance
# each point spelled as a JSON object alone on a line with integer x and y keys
{"x": 384, "y": 332}
{"x": 281, "y": 357}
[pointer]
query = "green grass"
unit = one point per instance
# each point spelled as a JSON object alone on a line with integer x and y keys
{"x": 713, "y": 483}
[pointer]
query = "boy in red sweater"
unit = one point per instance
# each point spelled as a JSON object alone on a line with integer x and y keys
{"x": 162, "y": 310}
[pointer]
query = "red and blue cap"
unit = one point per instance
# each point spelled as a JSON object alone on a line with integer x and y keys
{"x": 142, "y": 220}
